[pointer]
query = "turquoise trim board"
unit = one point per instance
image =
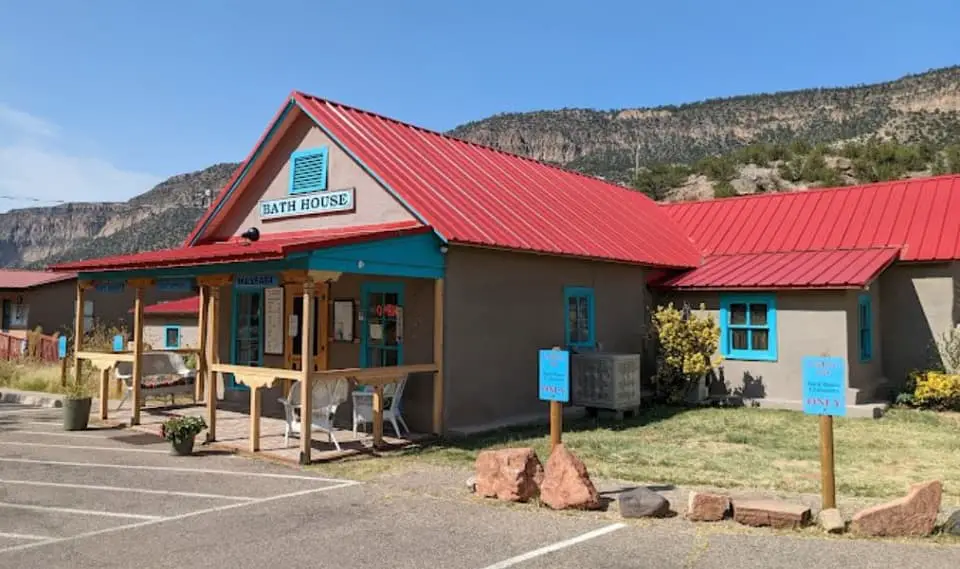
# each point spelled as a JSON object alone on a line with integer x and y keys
{"x": 581, "y": 297}
{"x": 308, "y": 171}
{"x": 368, "y": 289}
{"x": 167, "y": 344}
{"x": 741, "y": 323}
{"x": 416, "y": 256}
{"x": 865, "y": 327}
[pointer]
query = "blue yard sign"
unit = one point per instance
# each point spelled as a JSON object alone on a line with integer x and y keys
{"x": 118, "y": 343}
{"x": 824, "y": 386}
{"x": 555, "y": 375}
{"x": 62, "y": 347}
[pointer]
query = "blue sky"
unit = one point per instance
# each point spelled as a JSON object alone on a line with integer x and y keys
{"x": 101, "y": 99}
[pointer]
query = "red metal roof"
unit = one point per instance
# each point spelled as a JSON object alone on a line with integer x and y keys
{"x": 848, "y": 268}
{"x": 919, "y": 216}
{"x": 472, "y": 194}
{"x": 189, "y": 305}
{"x": 17, "y": 279}
{"x": 273, "y": 246}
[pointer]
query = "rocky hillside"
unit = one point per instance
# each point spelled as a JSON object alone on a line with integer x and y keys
{"x": 923, "y": 108}
{"x": 161, "y": 217}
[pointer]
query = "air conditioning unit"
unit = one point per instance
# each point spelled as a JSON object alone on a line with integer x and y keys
{"x": 605, "y": 381}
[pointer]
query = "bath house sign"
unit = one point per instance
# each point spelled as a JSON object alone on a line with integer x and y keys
{"x": 316, "y": 203}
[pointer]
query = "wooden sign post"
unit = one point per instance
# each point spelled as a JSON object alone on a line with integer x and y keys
{"x": 825, "y": 394}
{"x": 555, "y": 388}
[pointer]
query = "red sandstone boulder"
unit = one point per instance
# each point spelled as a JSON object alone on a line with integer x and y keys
{"x": 704, "y": 507}
{"x": 566, "y": 483}
{"x": 773, "y": 513}
{"x": 913, "y": 515}
{"x": 512, "y": 474}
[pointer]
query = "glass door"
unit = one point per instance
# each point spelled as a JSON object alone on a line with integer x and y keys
{"x": 382, "y": 325}
{"x": 248, "y": 331}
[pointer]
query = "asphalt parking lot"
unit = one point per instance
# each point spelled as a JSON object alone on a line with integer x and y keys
{"x": 116, "y": 498}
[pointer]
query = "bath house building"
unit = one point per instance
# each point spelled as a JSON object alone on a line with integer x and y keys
{"x": 351, "y": 244}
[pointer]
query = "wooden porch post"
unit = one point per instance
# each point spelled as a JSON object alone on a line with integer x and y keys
{"x": 213, "y": 321}
{"x": 306, "y": 387}
{"x": 254, "y": 418}
{"x": 438, "y": 356}
{"x": 104, "y": 392}
{"x": 203, "y": 367}
{"x": 139, "y": 286}
{"x": 78, "y": 330}
{"x": 323, "y": 358}
{"x": 378, "y": 416}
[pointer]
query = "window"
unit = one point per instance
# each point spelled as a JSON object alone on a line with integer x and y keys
{"x": 748, "y": 327}
{"x": 87, "y": 314}
{"x": 579, "y": 325}
{"x": 865, "y": 328}
{"x": 308, "y": 170}
{"x": 171, "y": 337}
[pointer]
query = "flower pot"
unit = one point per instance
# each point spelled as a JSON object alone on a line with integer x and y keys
{"x": 183, "y": 447}
{"x": 76, "y": 414}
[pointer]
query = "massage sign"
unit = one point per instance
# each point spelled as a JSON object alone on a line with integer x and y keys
{"x": 315, "y": 203}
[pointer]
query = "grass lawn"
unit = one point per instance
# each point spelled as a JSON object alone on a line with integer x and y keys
{"x": 740, "y": 448}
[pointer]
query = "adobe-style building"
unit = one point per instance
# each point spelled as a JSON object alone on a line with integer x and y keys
{"x": 349, "y": 244}
{"x": 172, "y": 324}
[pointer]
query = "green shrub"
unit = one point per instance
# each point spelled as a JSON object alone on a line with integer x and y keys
{"x": 724, "y": 190}
{"x": 936, "y": 390}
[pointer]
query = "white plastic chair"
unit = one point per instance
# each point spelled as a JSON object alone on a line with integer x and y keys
{"x": 327, "y": 396}
{"x": 392, "y": 394}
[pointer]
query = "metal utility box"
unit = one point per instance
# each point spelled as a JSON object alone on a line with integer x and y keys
{"x": 605, "y": 381}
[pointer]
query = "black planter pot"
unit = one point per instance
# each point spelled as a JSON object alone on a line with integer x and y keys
{"x": 76, "y": 414}
{"x": 184, "y": 447}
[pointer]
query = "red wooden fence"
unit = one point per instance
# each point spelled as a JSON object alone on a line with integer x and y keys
{"x": 15, "y": 348}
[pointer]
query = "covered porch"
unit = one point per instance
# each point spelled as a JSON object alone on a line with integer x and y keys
{"x": 290, "y": 325}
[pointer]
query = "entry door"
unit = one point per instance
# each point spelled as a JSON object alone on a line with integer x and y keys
{"x": 382, "y": 327}
{"x": 248, "y": 326}
{"x": 296, "y": 342}
{"x": 5, "y": 324}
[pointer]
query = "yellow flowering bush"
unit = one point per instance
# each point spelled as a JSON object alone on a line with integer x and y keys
{"x": 937, "y": 390}
{"x": 687, "y": 343}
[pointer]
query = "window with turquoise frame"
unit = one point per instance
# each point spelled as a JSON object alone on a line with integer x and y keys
{"x": 865, "y": 327}
{"x": 748, "y": 327}
{"x": 580, "y": 317}
{"x": 308, "y": 170}
{"x": 171, "y": 337}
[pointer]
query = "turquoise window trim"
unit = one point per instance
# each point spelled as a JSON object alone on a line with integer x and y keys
{"x": 366, "y": 289}
{"x": 726, "y": 350}
{"x": 865, "y": 327}
{"x": 325, "y": 166}
{"x": 571, "y": 292}
{"x": 166, "y": 337}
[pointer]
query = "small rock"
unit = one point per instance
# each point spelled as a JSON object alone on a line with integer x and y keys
{"x": 704, "y": 507}
{"x": 773, "y": 513}
{"x": 643, "y": 503}
{"x": 472, "y": 484}
{"x": 512, "y": 474}
{"x": 910, "y": 516}
{"x": 831, "y": 521}
{"x": 566, "y": 483}
{"x": 952, "y": 525}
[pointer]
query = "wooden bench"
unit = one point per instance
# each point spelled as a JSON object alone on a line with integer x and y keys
{"x": 164, "y": 373}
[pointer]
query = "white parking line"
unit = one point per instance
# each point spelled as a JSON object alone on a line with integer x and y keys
{"x": 553, "y": 547}
{"x": 78, "y": 512}
{"x": 62, "y": 434}
{"x": 176, "y": 469}
{"x": 25, "y": 536}
{"x": 124, "y": 489}
{"x": 345, "y": 484}
{"x": 83, "y": 447}
{"x": 57, "y": 423}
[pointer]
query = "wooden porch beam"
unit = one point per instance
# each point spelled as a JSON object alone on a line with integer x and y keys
{"x": 137, "y": 354}
{"x": 214, "y": 280}
{"x": 438, "y": 356}
{"x": 306, "y": 385}
{"x": 141, "y": 283}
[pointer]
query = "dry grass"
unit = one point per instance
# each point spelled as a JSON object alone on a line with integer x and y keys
{"x": 738, "y": 448}
{"x": 44, "y": 378}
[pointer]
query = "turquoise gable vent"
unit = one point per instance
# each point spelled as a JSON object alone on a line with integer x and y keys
{"x": 308, "y": 170}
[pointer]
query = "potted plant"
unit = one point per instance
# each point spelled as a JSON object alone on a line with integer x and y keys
{"x": 76, "y": 407}
{"x": 181, "y": 432}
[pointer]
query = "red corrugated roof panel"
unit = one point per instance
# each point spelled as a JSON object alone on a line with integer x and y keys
{"x": 17, "y": 279}
{"x": 847, "y": 268}
{"x": 919, "y": 216}
{"x": 270, "y": 247}
{"x": 189, "y": 305}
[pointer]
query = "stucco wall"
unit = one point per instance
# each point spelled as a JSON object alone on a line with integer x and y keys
{"x": 808, "y": 323}
{"x": 920, "y": 303}
{"x": 154, "y": 330}
{"x": 373, "y": 203}
{"x": 501, "y": 308}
